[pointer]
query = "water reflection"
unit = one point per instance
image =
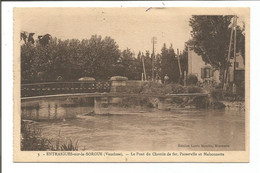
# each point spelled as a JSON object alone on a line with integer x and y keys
{"x": 53, "y": 110}
{"x": 139, "y": 130}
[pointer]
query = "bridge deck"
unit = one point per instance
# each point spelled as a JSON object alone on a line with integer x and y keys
{"x": 94, "y": 95}
{"x": 54, "y": 88}
{"x": 92, "y": 89}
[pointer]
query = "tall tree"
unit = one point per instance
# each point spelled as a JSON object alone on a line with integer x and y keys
{"x": 148, "y": 64}
{"x": 126, "y": 66}
{"x": 169, "y": 63}
{"x": 210, "y": 39}
{"x": 70, "y": 59}
{"x": 158, "y": 67}
{"x": 184, "y": 60}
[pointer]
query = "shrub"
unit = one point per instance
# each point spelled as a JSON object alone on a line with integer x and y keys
{"x": 241, "y": 91}
{"x": 177, "y": 89}
{"x": 192, "y": 79}
{"x": 32, "y": 140}
{"x": 216, "y": 94}
{"x": 200, "y": 102}
{"x": 194, "y": 89}
{"x": 155, "y": 88}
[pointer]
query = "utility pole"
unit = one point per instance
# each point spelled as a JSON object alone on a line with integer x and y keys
{"x": 154, "y": 41}
{"x": 228, "y": 59}
{"x": 235, "y": 42}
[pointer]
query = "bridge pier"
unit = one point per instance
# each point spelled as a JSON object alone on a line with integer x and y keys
{"x": 161, "y": 105}
{"x": 101, "y": 105}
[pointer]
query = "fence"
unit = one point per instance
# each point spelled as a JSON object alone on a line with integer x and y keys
{"x": 53, "y": 88}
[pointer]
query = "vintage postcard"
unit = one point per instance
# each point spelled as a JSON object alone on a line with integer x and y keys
{"x": 131, "y": 84}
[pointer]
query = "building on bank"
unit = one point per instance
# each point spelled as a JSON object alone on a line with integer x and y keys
{"x": 237, "y": 74}
{"x": 204, "y": 72}
{"x": 207, "y": 74}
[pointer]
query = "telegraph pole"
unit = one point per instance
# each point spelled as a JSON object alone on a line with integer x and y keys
{"x": 154, "y": 41}
{"x": 228, "y": 59}
{"x": 235, "y": 42}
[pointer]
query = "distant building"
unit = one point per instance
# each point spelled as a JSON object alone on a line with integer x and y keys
{"x": 240, "y": 70}
{"x": 204, "y": 72}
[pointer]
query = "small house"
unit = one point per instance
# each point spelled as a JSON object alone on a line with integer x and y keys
{"x": 207, "y": 74}
{"x": 239, "y": 75}
{"x": 204, "y": 72}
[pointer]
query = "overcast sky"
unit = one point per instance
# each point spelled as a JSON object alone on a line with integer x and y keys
{"x": 130, "y": 27}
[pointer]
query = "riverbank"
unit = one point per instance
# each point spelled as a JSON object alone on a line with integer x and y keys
{"x": 33, "y": 140}
{"x": 234, "y": 105}
{"x": 218, "y": 99}
{"x": 165, "y": 103}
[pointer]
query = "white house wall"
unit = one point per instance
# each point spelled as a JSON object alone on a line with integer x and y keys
{"x": 241, "y": 66}
{"x": 195, "y": 63}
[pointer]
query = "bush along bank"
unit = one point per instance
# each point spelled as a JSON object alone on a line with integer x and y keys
{"x": 33, "y": 140}
{"x": 217, "y": 99}
{"x": 166, "y": 103}
{"x": 228, "y": 99}
{"x": 176, "y": 102}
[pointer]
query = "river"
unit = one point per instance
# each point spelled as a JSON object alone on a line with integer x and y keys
{"x": 138, "y": 129}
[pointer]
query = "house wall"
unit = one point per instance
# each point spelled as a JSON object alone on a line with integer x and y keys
{"x": 195, "y": 63}
{"x": 241, "y": 66}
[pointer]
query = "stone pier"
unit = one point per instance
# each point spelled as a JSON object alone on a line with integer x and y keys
{"x": 102, "y": 105}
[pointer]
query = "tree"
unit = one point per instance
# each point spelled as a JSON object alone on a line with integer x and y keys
{"x": 169, "y": 64}
{"x": 184, "y": 59}
{"x": 138, "y": 66}
{"x": 71, "y": 59}
{"x": 158, "y": 67}
{"x": 27, "y": 37}
{"x": 44, "y": 39}
{"x": 27, "y": 54}
{"x": 210, "y": 39}
{"x": 148, "y": 64}
{"x": 125, "y": 66}
{"x": 103, "y": 56}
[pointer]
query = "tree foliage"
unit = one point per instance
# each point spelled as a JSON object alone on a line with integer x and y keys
{"x": 129, "y": 66}
{"x": 169, "y": 63}
{"x": 70, "y": 59}
{"x": 96, "y": 57}
{"x": 211, "y": 37}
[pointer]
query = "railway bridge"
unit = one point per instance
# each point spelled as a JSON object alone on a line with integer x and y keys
{"x": 104, "y": 93}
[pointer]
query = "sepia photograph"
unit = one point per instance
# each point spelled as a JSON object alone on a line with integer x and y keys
{"x": 131, "y": 84}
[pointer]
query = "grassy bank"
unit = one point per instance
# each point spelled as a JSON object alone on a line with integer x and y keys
{"x": 33, "y": 140}
{"x": 228, "y": 99}
{"x": 218, "y": 99}
{"x": 158, "y": 88}
{"x": 164, "y": 89}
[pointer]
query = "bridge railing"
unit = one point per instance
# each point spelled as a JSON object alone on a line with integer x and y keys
{"x": 53, "y": 88}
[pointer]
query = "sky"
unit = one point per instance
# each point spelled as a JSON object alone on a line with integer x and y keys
{"x": 131, "y": 28}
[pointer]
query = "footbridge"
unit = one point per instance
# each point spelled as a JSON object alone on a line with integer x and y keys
{"x": 104, "y": 93}
{"x": 84, "y": 89}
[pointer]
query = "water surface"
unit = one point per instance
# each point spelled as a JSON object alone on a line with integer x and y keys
{"x": 138, "y": 129}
